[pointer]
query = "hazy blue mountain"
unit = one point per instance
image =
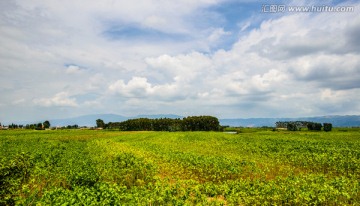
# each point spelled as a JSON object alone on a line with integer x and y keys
{"x": 158, "y": 116}
{"x": 337, "y": 121}
{"x": 90, "y": 120}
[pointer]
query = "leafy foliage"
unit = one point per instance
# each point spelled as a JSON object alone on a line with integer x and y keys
{"x": 258, "y": 167}
{"x": 13, "y": 173}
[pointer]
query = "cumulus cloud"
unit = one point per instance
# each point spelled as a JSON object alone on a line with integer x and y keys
{"x": 182, "y": 67}
{"x": 60, "y": 99}
{"x": 136, "y": 87}
{"x": 73, "y": 69}
{"x": 288, "y": 59}
{"x": 140, "y": 88}
{"x": 331, "y": 71}
{"x": 177, "y": 57}
{"x": 299, "y": 35}
{"x": 217, "y": 34}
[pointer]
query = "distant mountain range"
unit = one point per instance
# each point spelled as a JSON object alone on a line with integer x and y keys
{"x": 90, "y": 120}
{"x": 336, "y": 121}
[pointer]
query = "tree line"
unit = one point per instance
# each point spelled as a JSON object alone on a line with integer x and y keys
{"x": 36, "y": 126}
{"x": 297, "y": 125}
{"x": 191, "y": 123}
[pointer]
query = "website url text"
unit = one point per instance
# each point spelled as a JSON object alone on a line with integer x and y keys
{"x": 278, "y": 8}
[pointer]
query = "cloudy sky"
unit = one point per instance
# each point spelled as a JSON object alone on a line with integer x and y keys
{"x": 227, "y": 58}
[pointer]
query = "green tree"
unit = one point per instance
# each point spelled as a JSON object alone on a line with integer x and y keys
{"x": 327, "y": 127}
{"x": 46, "y": 124}
{"x": 39, "y": 126}
{"x": 100, "y": 123}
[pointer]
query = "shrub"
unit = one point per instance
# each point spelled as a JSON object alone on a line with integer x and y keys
{"x": 327, "y": 127}
{"x": 13, "y": 173}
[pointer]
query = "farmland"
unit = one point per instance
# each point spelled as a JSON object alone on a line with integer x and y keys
{"x": 256, "y": 166}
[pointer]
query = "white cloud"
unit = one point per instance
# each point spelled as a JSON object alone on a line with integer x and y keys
{"x": 182, "y": 67}
{"x": 140, "y": 88}
{"x": 285, "y": 61}
{"x": 170, "y": 66}
{"x": 325, "y": 69}
{"x": 136, "y": 87}
{"x": 19, "y": 101}
{"x": 217, "y": 34}
{"x": 244, "y": 26}
{"x": 73, "y": 69}
{"x": 61, "y": 99}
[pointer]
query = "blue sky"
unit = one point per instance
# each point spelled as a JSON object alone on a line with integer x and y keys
{"x": 224, "y": 58}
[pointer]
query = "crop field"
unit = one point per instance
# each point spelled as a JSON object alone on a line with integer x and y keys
{"x": 254, "y": 167}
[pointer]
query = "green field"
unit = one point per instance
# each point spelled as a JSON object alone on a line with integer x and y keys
{"x": 254, "y": 167}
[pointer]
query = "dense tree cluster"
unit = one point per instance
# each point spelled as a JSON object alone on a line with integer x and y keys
{"x": 297, "y": 125}
{"x": 193, "y": 123}
{"x": 38, "y": 126}
{"x": 75, "y": 126}
{"x": 293, "y": 124}
{"x": 15, "y": 126}
{"x": 200, "y": 123}
{"x": 314, "y": 126}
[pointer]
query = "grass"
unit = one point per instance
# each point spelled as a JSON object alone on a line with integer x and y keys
{"x": 253, "y": 167}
